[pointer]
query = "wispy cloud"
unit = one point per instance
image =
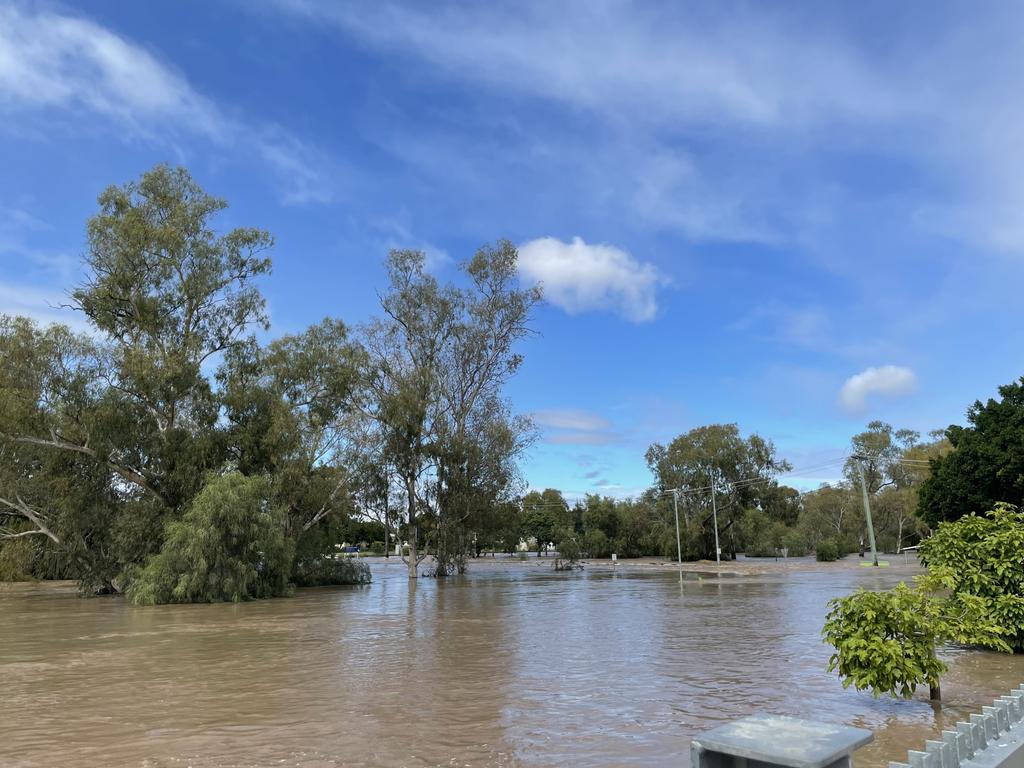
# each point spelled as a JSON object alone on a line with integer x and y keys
{"x": 392, "y": 233}
{"x": 621, "y": 58}
{"x": 783, "y": 82}
{"x": 572, "y": 426}
{"x": 570, "y": 419}
{"x": 583, "y": 438}
{"x": 17, "y": 226}
{"x": 888, "y": 381}
{"x": 581, "y": 277}
{"x": 56, "y": 61}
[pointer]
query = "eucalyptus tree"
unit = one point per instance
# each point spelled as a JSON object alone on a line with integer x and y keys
{"x": 288, "y": 415}
{"x": 716, "y": 459}
{"x": 434, "y": 368}
{"x": 170, "y": 294}
{"x": 164, "y": 295}
{"x": 65, "y": 501}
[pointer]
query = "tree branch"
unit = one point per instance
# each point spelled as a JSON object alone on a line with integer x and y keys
{"x": 126, "y": 473}
{"x": 19, "y": 506}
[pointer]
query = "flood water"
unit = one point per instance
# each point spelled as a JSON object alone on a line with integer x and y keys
{"x": 511, "y": 665}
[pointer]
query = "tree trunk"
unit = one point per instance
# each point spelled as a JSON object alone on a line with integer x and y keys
{"x": 413, "y": 562}
{"x": 386, "y": 547}
{"x": 934, "y": 691}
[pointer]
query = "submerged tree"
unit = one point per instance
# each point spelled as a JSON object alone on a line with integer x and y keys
{"x": 716, "y": 459}
{"x": 109, "y": 438}
{"x": 972, "y": 594}
{"x": 434, "y": 370}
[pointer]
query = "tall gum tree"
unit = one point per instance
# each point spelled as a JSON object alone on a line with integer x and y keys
{"x": 740, "y": 469}
{"x": 435, "y": 364}
{"x": 165, "y": 294}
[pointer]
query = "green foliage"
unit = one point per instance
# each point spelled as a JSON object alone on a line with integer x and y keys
{"x": 569, "y": 550}
{"x": 331, "y": 571}
{"x": 827, "y": 551}
{"x": 885, "y": 641}
{"x": 718, "y": 455}
{"x": 433, "y": 371}
{"x": 17, "y": 557}
{"x": 794, "y": 542}
{"x": 596, "y": 543}
{"x": 972, "y": 594}
{"x": 761, "y": 535}
{"x": 982, "y": 557}
{"x": 539, "y": 523}
{"x": 986, "y": 464}
{"x": 230, "y": 545}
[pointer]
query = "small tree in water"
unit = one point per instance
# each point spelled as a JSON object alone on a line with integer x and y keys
{"x": 973, "y": 594}
{"x": 569, "y": 551}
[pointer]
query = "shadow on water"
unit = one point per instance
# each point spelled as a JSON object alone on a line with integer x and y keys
{"x": 510, "y": 665}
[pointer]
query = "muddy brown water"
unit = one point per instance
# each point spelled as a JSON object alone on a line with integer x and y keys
{"x": 510, "y": 665}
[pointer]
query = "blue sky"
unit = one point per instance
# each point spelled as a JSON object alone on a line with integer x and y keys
{"x": 798, "y": 217}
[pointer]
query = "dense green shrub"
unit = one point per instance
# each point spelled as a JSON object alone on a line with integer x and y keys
{"x": 326, "y": 571}
{"x": 983, "y": 556}
{"x": 596, "y": 543}
{"x": 972, "y": 594}
{"x": 230, "y": 545}
{"x": 827, "y": 551}
{"x": 795, "y": 544}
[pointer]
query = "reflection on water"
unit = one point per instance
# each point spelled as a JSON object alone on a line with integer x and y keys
{"x": 511, "y": 665}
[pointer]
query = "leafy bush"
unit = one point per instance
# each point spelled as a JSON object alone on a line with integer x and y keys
{"x": 795, "y": 544}
{"x": 983, "y": 556}
{"x": 325, "y": 571}
{"x": 971, "y": 595}
{"x": 377, "y": 547}
{"x": 827, "y": 551}
{"x": 596, "y": 544}
{"x": 230, "y": 545}
{"x": 886, "y": 641}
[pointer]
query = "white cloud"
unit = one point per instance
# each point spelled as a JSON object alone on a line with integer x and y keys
{"x": 885, "y": 381}
{"x": 53, "y": 61}
{"x": 570, "y": 419}
{"x": 579, "y": 277}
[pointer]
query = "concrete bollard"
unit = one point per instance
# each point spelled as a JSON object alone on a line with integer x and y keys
{"x": 764, "y": 740}
{"x": 992, "y": 739}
